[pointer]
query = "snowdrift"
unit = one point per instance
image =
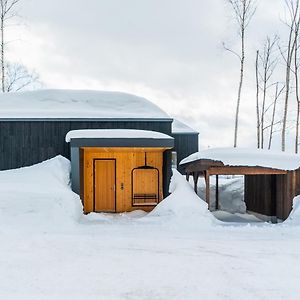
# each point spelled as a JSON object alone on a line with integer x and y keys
{"x": 38, "y": 196}
{"x": 183, "y": 204}
{"x": 294, "y": 217}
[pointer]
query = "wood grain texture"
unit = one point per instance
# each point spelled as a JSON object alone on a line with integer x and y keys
{"x": 272, "y": 194}
{"x": 23, "y": 143}
{"x": 126, "y": 160}
{"x": 145, "y": 186}
{"x": 104, "y": 185}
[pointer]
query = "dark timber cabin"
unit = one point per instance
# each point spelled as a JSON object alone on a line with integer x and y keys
{"x": 267, "y": 190}
{"x": 33, "y": 127}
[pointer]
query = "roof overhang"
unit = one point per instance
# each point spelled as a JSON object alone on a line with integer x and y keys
{"x": 213, "y": 167}
{"x": 93, "y": 119}
{"x": 123, "y": 142}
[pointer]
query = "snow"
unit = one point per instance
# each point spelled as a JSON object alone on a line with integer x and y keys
{"x": 77, "y": 104}
{"x": 231, "y": 193}
{"x": 115, "y": 133}
{"x": 248, "y": 157}
{"x": 294, "y": 217}
{"x": 50, "y": 250}
{"x": 235, "y": 217}
{"x": 31, "y": 195}
{"x": 182, "y": 204}
{"x": 180, "y": 127}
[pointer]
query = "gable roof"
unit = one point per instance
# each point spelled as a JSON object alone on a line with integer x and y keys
{"x": 72, "y": 104}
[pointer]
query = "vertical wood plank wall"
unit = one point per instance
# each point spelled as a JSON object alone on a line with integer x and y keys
{"x": 258, "y": 193}
{"x": 126, "y": 160}
{"x": 27, "y": 142}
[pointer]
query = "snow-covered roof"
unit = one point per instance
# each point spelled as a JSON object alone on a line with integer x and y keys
{"x": 77, "y": 104}
{"x": 248, "y": 157}
{"x": 115, "y": 134}
{"x": 179, "y": 127}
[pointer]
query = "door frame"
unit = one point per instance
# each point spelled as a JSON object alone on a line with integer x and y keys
{"x": 94, "y": 183}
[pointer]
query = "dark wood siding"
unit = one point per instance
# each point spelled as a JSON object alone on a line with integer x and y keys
{"x": 185, "y": 144}
{"x": 272, "y": 195}
{"x": 26, "y": 142}
{"x": 258, "y": 193}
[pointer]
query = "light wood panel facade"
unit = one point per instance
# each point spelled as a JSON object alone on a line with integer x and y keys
{"x": 126, "y": 160}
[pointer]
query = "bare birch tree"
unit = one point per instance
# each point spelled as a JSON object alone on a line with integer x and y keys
{"x": 18, "y": 77}
{"x": 6, "y": 12}
{"x": 293, "y": 24}
{"x": 274, "y": 106}
{"x": 296, "y": 73}
{"x": 257, "y": 101}
{"x": 243, "y": 11}
{"x": 268, "y": 64}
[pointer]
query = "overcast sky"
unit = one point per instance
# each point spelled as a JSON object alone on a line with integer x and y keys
{"x": 169, "y": 51}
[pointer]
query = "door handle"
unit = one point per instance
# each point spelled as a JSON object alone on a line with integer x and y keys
{"x": 122, "y": 186}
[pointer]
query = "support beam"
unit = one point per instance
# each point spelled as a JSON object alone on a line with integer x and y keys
{"x": 187, "y": 177}
{"x": 217, "y": 192}
{"x": 195, "y": 177}
{"x": 273, "y": 199}
{"x": 206, "y": 176}
{"x": 231, "y": 170}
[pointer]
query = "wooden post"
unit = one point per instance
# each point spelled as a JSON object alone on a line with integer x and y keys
{"x": 206, "y": 175}
{"x": 195, "y": 177}
{"x": 273, "y": 199}
{"x": 187, "y": 177}
{"x": 217, "y": 192}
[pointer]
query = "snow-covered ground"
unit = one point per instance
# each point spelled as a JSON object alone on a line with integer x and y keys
{"x": 49, "y": 250}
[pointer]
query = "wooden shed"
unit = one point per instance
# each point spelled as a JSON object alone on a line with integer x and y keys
{"x": 271, "y": 179}
{"x": 120, "y": 170}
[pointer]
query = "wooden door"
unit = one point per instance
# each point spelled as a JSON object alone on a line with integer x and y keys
{"x": 104, "y": 185}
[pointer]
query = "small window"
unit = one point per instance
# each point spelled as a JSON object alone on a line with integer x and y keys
{"x": 174, "y": 159}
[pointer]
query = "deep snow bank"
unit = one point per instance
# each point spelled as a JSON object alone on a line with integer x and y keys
{"x": 43, "y": 177}
{"x": 294, "y": 217}
{"x": 38, "y": 196}
{"x": 182, "y": 203}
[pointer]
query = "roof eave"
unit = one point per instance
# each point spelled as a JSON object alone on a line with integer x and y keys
{"x": 123, "y": 142}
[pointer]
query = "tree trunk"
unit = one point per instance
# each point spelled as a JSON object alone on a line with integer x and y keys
{"x": 262, "y": 124}
{"x": 2, "y": 55}
{"x": 240, "y": 89}
{"x": 296, "y": 88}
{"x": 273, "y": 117}
{"x": 257, "y": 102}
{"x": 297, "y": 128}
{"x": 293, "y": 36}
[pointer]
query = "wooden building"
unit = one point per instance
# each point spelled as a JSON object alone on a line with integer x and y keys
{"x": 271, "y": 181}
{"x": 33, "y": 126}
{"x": 120, "y": 170}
